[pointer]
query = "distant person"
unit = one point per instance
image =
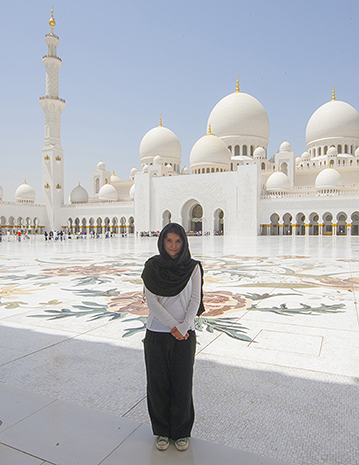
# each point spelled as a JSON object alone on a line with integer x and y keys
{"x": 173, "y": 284}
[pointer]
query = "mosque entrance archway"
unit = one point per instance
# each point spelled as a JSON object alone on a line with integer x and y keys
{"x": 166, "y": 218}
{"x": 313, "y": 224}
{"x": 342, "y": 224}
{"x": 327, "y": 224}
{"x": 287, "y": 224}
{"x": 114, "y": 224}
{"x": 196, "y": 218}
{"x": 122, "y": 225}
{"x": 274, "y": 225}
{"x": 99, "y": 225}
{"x": 12, "y": 223}
{"x": 300, "y": 218}
{"x": 83, "y": 226}
{"x": 77, "y": 226}
{"x": 218, "y": 226}
{"x": 107, "y": 224}
{"x": 189, "y": 208}
{"x": 69, "y": 226}
{"x": 91, "y": 226}
{"x": 131, "y": 222}
{"x": 355, "y": 224}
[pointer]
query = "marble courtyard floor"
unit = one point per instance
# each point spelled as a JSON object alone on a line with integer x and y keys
{"x": 277, "y": 364}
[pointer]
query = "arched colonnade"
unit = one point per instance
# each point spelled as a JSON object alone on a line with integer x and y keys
{"x": 326, "y": 224}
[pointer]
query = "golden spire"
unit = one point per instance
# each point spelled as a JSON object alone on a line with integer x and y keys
{"x": 51, "y": 20}
{"x": 333, "y": 93}
{"x": 160, "y": 120}
{"x": 237, "y": 83}
{"x": 209, "y": 130}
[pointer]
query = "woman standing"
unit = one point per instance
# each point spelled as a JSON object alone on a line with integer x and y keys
{"x": 173, "y": 284}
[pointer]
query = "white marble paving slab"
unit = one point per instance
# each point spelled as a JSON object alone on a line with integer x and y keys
{"x": 68, "y": 434}
{"x": 139, "y": 449}
{"x": 17, "y": 404}
{"x": 10, "y": 456}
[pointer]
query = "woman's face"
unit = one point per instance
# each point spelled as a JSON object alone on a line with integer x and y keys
{"x": 173, "y": 244}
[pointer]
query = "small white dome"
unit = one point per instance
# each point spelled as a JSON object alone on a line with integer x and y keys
{"x": 285, "y": 147}
{"x": 259, "y": 153}
{"x": 132, "y": 192}
{"x": 305, "y": 156}
{"x": 170, "y": 168}
{"x": 101, "y": 165}
{"x": 79, "y": 195}
{"x": 133, "y": 172}
{"x": 1, "y": 193}
{"x": 185, "y": 170}
{"x": 210, "y": 150}
{"x": 114, "y": 178}
{"x": 332, "y": 151}
{"x": 160, "y": 141}
{"x": 278, "y": 181}
{"x": 25, "y": 193}
{"x": 329, "y": 178}
{"x": 145, "y": 168}
{"x": 158, "y": 160}
{"x": 108, "y": 193}
{"x": 357, "y": 152}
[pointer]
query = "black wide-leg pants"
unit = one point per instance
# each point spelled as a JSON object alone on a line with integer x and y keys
{"x": 169, "y": 368}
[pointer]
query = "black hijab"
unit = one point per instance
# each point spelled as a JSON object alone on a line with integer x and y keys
{"x": 166, "y": 276}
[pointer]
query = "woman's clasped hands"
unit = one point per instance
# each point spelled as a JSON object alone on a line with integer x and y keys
{"x": 175, "y": 333}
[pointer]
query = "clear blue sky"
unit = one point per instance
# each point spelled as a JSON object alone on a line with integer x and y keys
{"x": 125, "y": 63}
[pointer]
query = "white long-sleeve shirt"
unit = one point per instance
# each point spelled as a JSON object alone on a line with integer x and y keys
{"x": 178, "y": 311}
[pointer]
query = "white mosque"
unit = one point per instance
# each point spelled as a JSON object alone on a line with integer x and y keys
{"x": 231, "y": 185}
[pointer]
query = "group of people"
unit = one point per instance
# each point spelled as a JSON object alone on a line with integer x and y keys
{"x": 173, "y": 290}
{"x": 18, "y": 235}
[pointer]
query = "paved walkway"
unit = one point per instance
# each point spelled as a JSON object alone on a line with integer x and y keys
{"x": 276, "y": 368}
{"x": 37, "y": 430}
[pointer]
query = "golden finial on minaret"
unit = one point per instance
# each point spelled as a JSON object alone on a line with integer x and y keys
{"x": 52, "y": 22}
{"x": 160, "y": 120}
{"x": 237, "y": 83}
{"x": 209, "y": 130}
{"x": 333, "y": 93}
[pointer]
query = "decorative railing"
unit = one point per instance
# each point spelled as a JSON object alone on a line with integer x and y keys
{"x": 51, "y": 97}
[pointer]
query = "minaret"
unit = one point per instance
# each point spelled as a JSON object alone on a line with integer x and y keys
{"x": 52, "y": 153}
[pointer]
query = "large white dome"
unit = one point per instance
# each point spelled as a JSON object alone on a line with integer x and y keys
{"x": 329, "y": 178}
{"x": 210, "y": 151}
{"x": 25, "y": 193}
{"x": 160, "y": 141}
{"x": 108, "y": 193}
{"x": 331, "y": 120}
{"x": 79, "y": 195}
{"x": 278, "y": 181}
{"x": 239, "y": 114}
